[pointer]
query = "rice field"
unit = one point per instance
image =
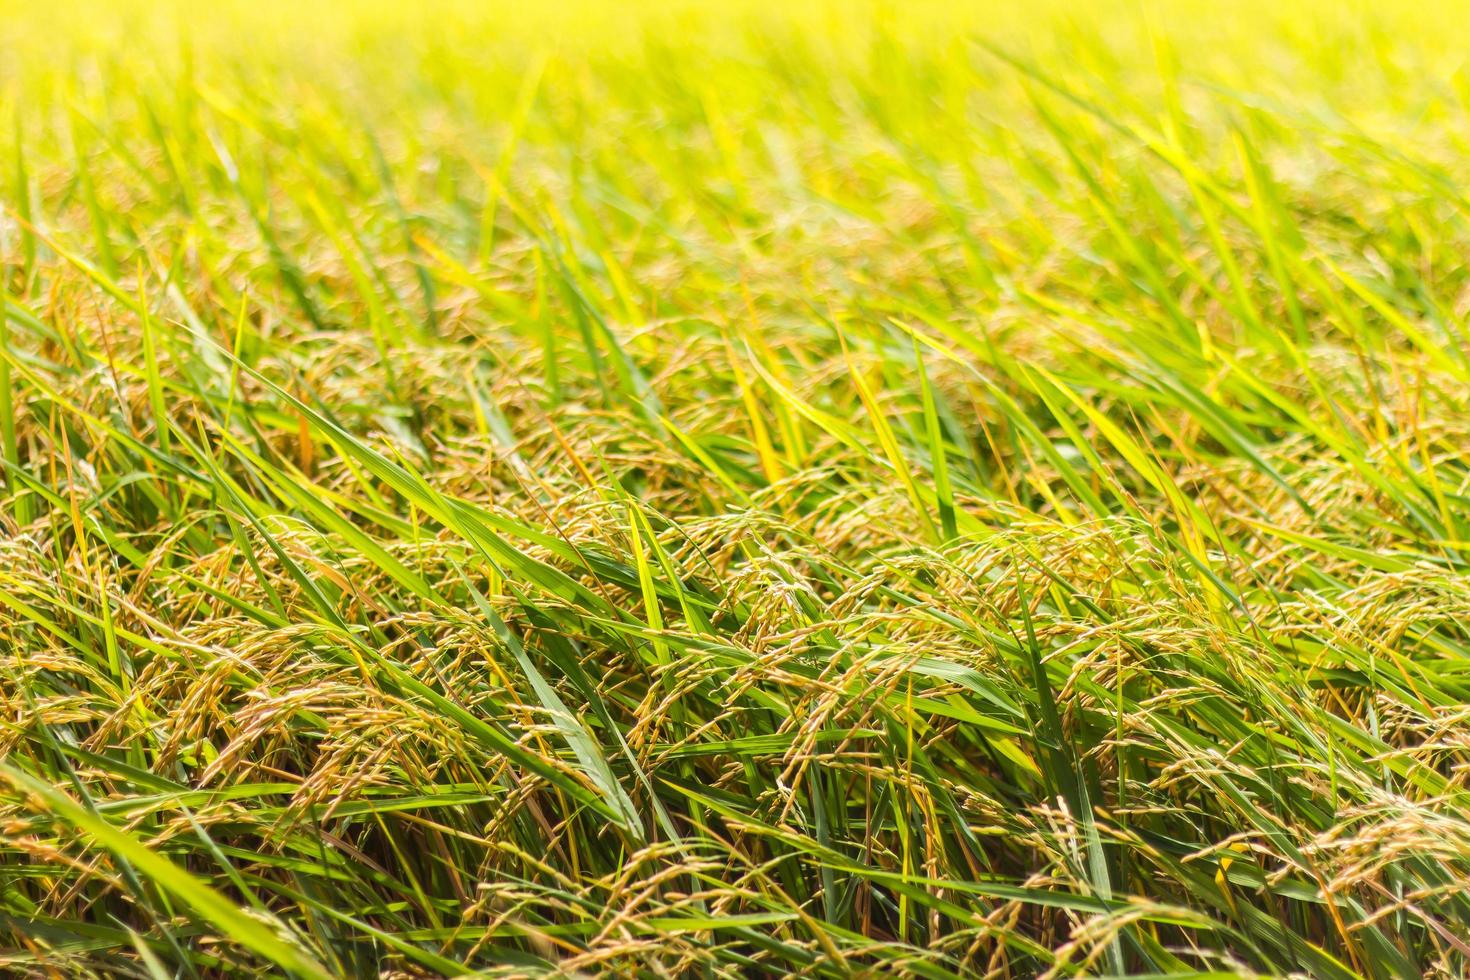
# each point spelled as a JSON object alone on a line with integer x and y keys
{"x": 734, "y": 489}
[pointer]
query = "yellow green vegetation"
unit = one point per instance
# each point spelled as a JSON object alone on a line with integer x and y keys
{"x": 734, "y": 489}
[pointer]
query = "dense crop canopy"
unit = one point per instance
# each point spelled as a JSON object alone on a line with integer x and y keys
{"x": 734, "y": 489}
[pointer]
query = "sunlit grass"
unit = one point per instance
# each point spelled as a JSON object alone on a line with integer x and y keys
{"x": 734, "y": 489}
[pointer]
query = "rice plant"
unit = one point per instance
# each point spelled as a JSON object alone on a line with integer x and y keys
{"x": 739, "y": 488}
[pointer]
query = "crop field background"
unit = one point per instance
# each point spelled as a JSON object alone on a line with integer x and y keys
{"x": 734, "y": 489}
